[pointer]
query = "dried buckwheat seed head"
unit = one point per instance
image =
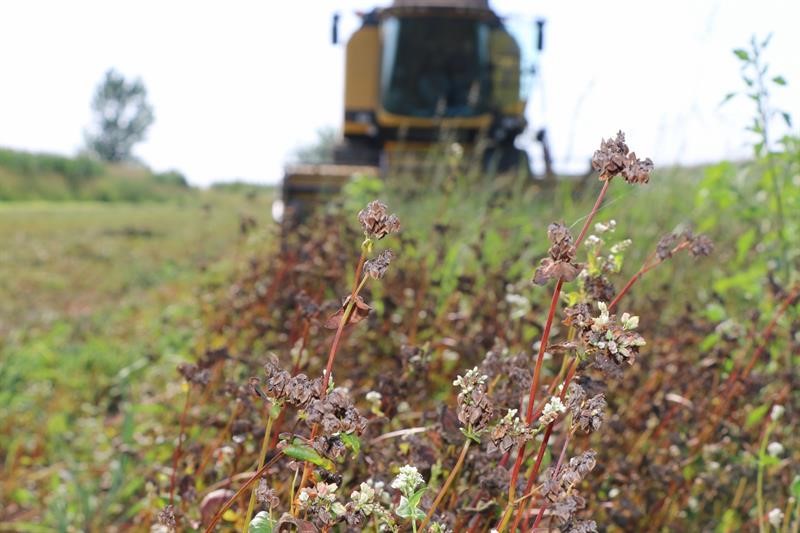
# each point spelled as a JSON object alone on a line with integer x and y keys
{"x": 376, "y": 222}
{"x": 614, "y": 158}
{"x": 376, "y": 268}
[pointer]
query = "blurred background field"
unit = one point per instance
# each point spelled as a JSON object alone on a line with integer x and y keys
{"x": 115, "y": 273}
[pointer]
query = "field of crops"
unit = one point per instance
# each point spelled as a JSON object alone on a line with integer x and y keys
{"x": 576, "y": 357}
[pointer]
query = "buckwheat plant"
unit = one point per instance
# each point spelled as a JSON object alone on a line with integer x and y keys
{"x": 411, "y": 486}
{"x": 474, "y": 412}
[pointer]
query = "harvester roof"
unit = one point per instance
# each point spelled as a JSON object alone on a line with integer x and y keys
{"x": 456, "y": 4}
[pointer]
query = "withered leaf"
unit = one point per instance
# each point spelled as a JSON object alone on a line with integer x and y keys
{"x": 359, "y": 313}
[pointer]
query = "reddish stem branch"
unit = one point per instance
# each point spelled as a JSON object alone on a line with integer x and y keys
{"x": 241, "y": 491}
{"x": 560, "y": 462}
{"x": 177, "y": 453}
{"x": 593, "y": 212}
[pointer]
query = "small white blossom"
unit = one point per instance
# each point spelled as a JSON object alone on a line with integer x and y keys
{"x": 604, "y": 317}
{"x": 551, "y": 411}
{"x": 777, "y": 411}
{"x": 621, "y": 246}
{"x": 374, "y": 396}
{"x": 593, "y": 240}
{"x": 628, "y": 321}
{"x": 601, "y": 227}
{"x": 408, "y": 479}
{"x": 363, "y": 496}
{"x": 326, "y": 490}
{"x": 472, "y": 376}
{"x": 775, "y": 449}
{"x": 520, "y": 306}
{"x": 775, "y": 517}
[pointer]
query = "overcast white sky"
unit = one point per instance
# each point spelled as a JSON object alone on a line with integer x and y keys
{"x": 238, "y": 85}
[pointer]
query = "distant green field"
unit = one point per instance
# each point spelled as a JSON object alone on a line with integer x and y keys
{"x": 71, "y": 260}
{"x": 97, "y": 299}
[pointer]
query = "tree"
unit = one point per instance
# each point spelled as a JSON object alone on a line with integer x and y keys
{"x": 122, "y": 116}
{"x": 320, "y": 151}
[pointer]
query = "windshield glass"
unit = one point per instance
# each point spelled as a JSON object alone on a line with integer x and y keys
{"x": 435, "y": 66}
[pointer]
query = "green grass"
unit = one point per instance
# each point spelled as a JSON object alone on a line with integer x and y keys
{"x": 27, "y": 176}
{"x": 98, "y": 302}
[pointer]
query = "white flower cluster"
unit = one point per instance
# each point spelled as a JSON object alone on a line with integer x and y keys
{"x": 629, "y": 322}
{"x": 621, "y": 246}
{"x": 323, "y": 495}
{"x": 552, "y": 409}
{"x": 601, "y": 227}
{"x": 470, "y": 380}
{"x": 408, "y": 479}
{"x": 775, "y": 517}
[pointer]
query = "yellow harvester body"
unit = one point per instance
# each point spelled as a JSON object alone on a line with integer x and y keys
{"x": 414, "y": 71}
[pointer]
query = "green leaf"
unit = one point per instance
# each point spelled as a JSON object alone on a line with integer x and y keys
{"x": 709, "y": 342}
{"x": 787, "y": 118}
{"x": 756, "y": 415}
{"x": 794, "y": 488}
{"x": 779, "y": 80}
{"x": 351, "y": 442}
{"x": 730, "y": 522}
{"x": 406, "y": 510}
{"x": 715, "y": 312}
{"x": 768, "y": 460}
{"x": 744, "y": 244}
{"x": 261, "y": 523}
{"x": 303, "y": 452}
{"x": 742, "y": 54}
{"x": 470, "y": 434}
{"x": 417, "y": 496}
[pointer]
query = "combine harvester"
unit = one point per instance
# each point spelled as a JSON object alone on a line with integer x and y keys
{"x": 419, "y": 72}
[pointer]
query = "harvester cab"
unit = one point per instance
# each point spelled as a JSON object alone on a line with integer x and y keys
{"x": 418, "y": 72}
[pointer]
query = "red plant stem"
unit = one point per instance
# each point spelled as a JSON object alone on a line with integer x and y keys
{"x": 543, "y": 345}
{"x": 345, "y": 318}
{"x": 593, "y": 212}
{"x": 542, "y": 348}
{"x": 535, "y": 468}
{"x": 735, "y": 375}
{"x": 573, "y": 366}
{"x": 555, "y": 473}
{"x": 647, "y": 266}
{"x": 636, "y": 277}
{"x": 787, "y": 301}
{"x": 177, "y": 453}
{"x": 357, "y": 284}
{"x": 240, "y": 492}
{"x": 208, "y": 451}
{"x": 535, "y": 384}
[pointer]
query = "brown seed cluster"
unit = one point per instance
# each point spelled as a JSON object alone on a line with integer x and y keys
{"x": 166, "y": 517}
{"x": 699, "y": 245}
{"x": 474, "y": 406}
{"x": 376, "y": 221}
{"x": 508, "y": 433}
{"x": 281, "y": 386}
{"x": 612, "y": 341}
{"x": 614, "y": 158}
{"x": 558, "y": 485}
{"x": 561, "y": 263}
{"x": 194, "y": 374}
{"x": 587, "y": 413}
{"x": 335, "y": 414}
{"x": 376, "y": 268}
{"x": 266, "y": 495}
